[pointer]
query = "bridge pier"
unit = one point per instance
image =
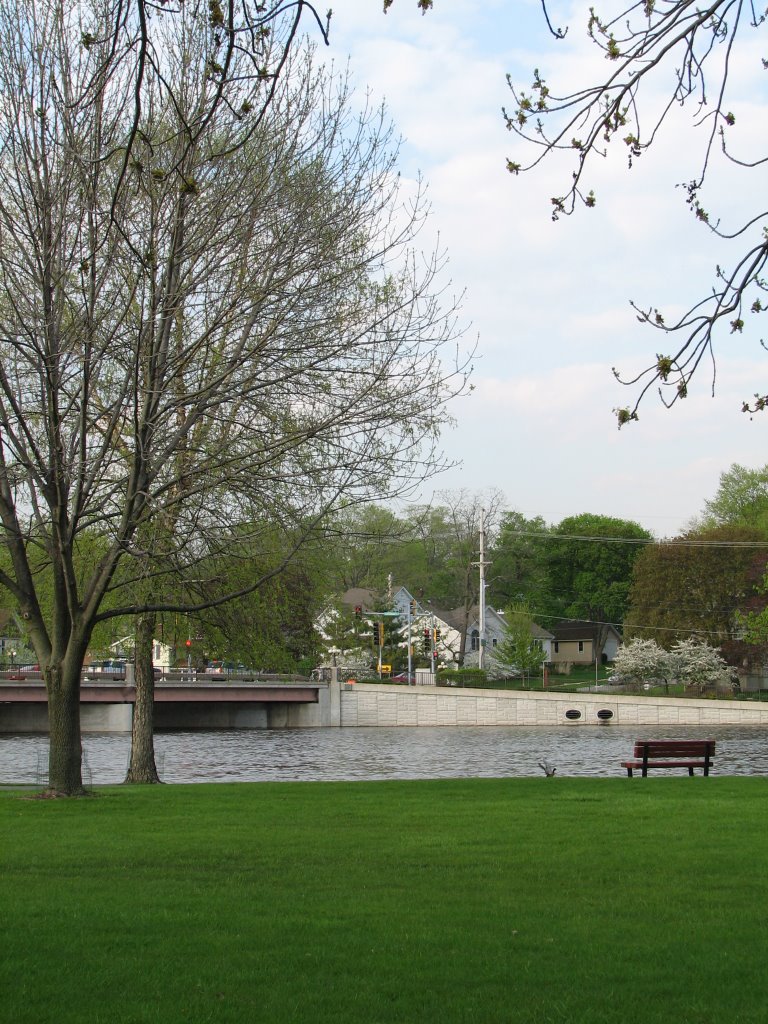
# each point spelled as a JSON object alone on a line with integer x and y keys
{"x": 325, "y": 713}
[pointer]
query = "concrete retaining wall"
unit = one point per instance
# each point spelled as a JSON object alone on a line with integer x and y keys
{"x": 381, "y": 704}
{"x": 371, "y": 704}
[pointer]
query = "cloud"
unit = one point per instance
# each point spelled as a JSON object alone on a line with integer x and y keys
{"x": 550, "y": 301}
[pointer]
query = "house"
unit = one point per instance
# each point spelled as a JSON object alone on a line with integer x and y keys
{"x": 453, "y": 635}
{"x": 427, "y": 627}
{"x": 452, "y": 625}
{"x": 345, "y": 631}
{"x": 495, "y": 629}
{"x": 431, "y": 627}
{"x": 575, "y": 642}
{"x": 163, "y": 655}
{"x": 359, "y": 597}
{"x": 355, "y": 601}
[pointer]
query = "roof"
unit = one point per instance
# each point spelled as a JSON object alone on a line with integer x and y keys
{"x": 539, "y": 633}
{"x": 579, "y": 629}
{"x": 359, "y": 596}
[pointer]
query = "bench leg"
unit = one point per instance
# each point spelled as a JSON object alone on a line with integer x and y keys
{"x": 690, "y": 771}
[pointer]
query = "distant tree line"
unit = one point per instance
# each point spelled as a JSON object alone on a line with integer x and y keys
{"x": 708, "y": 582}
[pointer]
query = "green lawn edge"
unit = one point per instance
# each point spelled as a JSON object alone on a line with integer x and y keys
{"x": 485, "y": 900}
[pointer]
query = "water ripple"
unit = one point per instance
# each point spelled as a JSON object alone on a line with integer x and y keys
{"x": 284, "y": 755}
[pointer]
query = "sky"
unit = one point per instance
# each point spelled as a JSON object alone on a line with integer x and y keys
{"x": 549, "y": 303}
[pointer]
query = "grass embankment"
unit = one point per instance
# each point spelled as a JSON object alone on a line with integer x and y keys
{"x": 525, "y": 900}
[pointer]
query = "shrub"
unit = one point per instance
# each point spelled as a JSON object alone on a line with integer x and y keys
{"x": 462, "y": 677}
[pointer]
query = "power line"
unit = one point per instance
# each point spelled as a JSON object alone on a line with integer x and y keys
{"x": 667, "y": 542}
{"x": 634, "y": 625}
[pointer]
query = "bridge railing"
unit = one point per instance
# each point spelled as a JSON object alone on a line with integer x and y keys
{"x": 178, "y": 675}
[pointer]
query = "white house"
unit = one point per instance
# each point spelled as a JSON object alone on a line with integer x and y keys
{"x": 495, "y": 629}
{"x": 163, "y": 655}
{"x": 429, "y": 625}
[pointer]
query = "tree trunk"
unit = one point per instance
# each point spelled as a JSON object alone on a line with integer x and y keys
{"x": 65, "y": 754}
{"x": 142, "y": 766}
{"x": 601, "y": 638}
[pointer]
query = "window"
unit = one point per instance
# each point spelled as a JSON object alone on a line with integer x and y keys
{"x": 581, "y": 646}
{"x": 494, "y": 642}
{"x": 557, "y": 647}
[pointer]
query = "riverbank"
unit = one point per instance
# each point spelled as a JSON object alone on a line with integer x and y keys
{"x": 483, "y": 900}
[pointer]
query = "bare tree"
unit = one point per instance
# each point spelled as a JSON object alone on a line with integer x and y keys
{"x": 211, "y": 314}
{"x": 688, "y": 50}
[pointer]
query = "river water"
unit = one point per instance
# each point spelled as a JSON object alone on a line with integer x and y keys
{"x": 284, "y": 755}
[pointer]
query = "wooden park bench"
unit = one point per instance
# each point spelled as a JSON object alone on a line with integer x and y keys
{"x": 688, "y": 754}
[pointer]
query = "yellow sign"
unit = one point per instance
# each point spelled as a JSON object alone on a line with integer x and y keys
{"x": 386, "y": 668}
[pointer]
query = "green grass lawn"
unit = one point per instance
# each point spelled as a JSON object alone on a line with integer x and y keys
{"x": 517, "y": 900}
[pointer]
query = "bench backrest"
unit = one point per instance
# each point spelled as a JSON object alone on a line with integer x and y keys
{"x": 674, "y": 748}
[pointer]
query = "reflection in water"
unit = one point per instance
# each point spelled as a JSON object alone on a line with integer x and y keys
{"x": 404, "y": 753}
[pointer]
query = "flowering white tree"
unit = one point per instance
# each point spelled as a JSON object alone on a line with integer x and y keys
{"x": 643, "y": 660}
{"x": 698, "y": 665}
{"x": 692, "y": 662}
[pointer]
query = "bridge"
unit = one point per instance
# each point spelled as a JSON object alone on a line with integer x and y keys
{"x": 180, "y": 703}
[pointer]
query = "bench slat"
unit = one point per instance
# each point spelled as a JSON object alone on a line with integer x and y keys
{"x": 665, "y": 764}
{"x": 674, "y": 748}
{"x": 669, "y": 754}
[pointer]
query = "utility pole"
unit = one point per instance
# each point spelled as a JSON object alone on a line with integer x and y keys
{"x": 411, "y": 617}
{"x": 379, "y": 627}
{"x": 482, "y": 564}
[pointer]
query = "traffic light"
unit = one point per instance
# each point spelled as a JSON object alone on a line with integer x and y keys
{"x": 378, "y": 634}
{"x": 358, "y": 611}
{"x": 427, "y": 641}
{"x": 189, "y": 643}
{"x": 413, "y": 610}
{"x": 437, "y": 635}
